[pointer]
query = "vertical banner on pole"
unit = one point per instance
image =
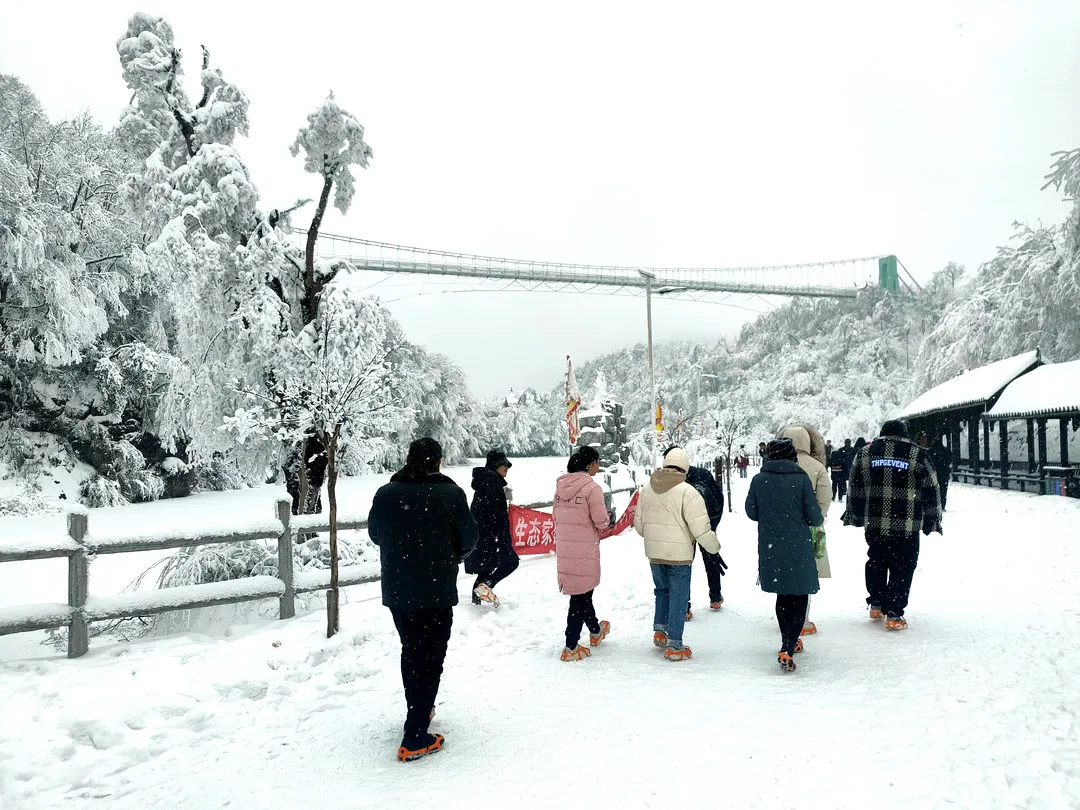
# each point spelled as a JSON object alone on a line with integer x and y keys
{"x": 659, "y": 428}
{"x": 573, "y": 404}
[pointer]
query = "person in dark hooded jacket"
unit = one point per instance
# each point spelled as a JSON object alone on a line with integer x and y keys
{"x": 422, "y": 525}
{"x": 495, "y": 557}
{"x": 782, "y": 502}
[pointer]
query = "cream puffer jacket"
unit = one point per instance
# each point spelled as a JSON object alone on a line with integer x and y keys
{"x": 671, "y": 516}
{"x": 819, "y": 476}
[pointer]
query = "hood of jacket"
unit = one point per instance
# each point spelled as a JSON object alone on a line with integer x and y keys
{"x": 663, "y": 480}
{"x": 783, "y": 466}
{"x": 570, "y": 485}
{"x": 484, "y": 476}
{"x": 799, "y": 437}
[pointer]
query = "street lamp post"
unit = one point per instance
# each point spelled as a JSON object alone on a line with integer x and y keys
{"x": 649, "y": 279}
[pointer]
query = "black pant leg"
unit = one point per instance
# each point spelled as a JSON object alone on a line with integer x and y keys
{"x": 843, "y": 487}
{"x": 575, "y": 617}
{"x": 944, "y": 492}
{"x": 877, "y": 568}
{"x": 790, "y": 613}
{"x": 589, "y": 614}
{"x": 903, "y": 558}
{"x": 505, "y": 568}
{"x": 714, "y": 573}
{"x": 424, "y": 637}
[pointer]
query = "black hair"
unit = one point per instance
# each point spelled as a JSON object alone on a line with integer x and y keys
{"x": 582, "y": 458}
{"x": 424, "y": 456}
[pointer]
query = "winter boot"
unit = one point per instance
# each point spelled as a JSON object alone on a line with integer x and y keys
{"x": 896, "y": 623}
{"x": 808, "y": 629}
{"x": 875, "y": 614}
{"x": 406, "y": 754}
{"x": 719, "y": 603}
{"x": 659, "y": 639}
{"x": 798, "y": 646}
{"x": 786, "y": 662}
{"x": 575, "y": 654}
{"x": 484, "y": 593}
{"x": 595, "y": 639}
{"x": 678, "y": 654}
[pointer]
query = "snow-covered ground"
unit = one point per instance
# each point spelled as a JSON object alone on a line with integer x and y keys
{"x": 976, "y": 705}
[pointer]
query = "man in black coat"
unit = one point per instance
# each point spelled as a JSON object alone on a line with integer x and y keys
{"x": 422, "y": 525}
{"x": 715, "y": 567}
{"x": 839, "y": 467}
{"x": 495, "y": 558}
{"x": 893, "y": 493}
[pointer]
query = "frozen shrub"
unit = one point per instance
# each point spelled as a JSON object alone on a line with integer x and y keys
{"x": 98, "y": 491}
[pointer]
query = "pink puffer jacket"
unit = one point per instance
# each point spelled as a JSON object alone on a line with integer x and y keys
{"x": 579, "y": 516}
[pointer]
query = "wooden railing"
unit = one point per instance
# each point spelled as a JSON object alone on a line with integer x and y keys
{"x": 80, "y": 547}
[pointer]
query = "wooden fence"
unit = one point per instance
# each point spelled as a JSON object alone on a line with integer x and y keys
{"x": 80, "y": 547}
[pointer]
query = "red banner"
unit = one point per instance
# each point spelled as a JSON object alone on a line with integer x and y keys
{"x": 534, "y": 532}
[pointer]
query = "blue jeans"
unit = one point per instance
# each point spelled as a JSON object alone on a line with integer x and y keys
{"x": 671, "y": 586}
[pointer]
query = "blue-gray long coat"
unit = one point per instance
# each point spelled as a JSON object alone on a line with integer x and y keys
{"x": 781, "y": 500}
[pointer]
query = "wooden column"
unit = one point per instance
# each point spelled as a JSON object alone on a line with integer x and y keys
{"x": 1041, "y": 431}
{"x": 1003, "y": 448}
{"x": 78, "y": 586}
{"x": 955, "y": 447}
{"x": 986, "y": 446}
{"x": 1031, "y": 452}
{"x": 1063, "y": 427}
{"x": 287, "y": 600}
{"x": 973, "y": 448}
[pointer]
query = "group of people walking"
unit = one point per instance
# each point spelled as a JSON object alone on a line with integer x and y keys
{"x": 425, "y": 527}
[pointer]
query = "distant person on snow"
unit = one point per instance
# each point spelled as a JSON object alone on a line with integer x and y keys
{"x": 893, "y": 493}
{"x": 580, "y": 516}
{"x": 762, "y": 452}
{"x": 495, "y": 557}
{"x": 828, "y": 452}
{"x": 819, "y": 479}
{"x": 742, "y": 461}
{"x": 941, "y": 457}
{"x": 421, "y": 523}
{"x": 671, "y": 516}
{"x": 782, "y": 501}
{"x": 715, "y": 567}
{"x": 839, "y": 467}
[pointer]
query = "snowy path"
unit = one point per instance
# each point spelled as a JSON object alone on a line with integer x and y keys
{"x": 977, "y": 705}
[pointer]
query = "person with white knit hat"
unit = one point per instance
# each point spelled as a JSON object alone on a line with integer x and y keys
{"x": 671, "y": 516}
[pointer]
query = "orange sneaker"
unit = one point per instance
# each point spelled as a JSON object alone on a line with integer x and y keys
{"x": 716, "y": 605}
{"x": 659, "y": 639}
{"x": 408, "y": 755}
{"x": 689, "y": 614}
{"x": 808, "y": 629}
{"x": 486, "y": 595}
{"x": 605, "y": 628}
{"x": 786, "y": 662}
{"x": 896, "y": 623}
{"x": 681, "y": 654}
{"x": 875, "y": 614}
{"x": 575, "y": 654}
{"x": 798, "y": 646}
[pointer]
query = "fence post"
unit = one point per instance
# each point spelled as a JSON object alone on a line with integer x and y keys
{"x": 287, "y": 601}
{"x": 78, "y": 586}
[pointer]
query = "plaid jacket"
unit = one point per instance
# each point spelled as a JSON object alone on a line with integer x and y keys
{"x": 893, "y": 489}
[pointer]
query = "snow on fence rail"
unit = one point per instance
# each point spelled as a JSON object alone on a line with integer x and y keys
{"x": 80, "y": 547}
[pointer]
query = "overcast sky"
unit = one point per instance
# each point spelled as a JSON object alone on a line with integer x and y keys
{"x": 622, "y": 133}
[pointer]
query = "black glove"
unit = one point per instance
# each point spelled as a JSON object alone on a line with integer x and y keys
{"x": 723, "y": 565}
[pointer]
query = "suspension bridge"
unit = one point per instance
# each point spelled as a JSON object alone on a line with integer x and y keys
{"x": 843, "y": 278}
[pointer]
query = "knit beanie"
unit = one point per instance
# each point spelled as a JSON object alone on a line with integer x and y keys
{"x": 894, "y": 427}
{"x": 782, "y": 450}
{"x": 677, "y": 457}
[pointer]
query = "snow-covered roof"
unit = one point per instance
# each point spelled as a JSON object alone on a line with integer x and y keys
{"x": 974, "y": 387}
{"x": 1050, "y": 389}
